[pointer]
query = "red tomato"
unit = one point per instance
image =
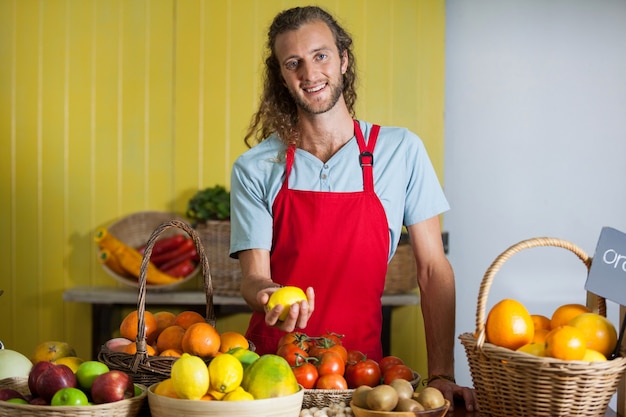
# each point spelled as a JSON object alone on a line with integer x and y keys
{"x": 331, "y": 381}
{"x": 306, "y": 374}
{"x": 365, "y": 372}
{"x": 355, "y": 356}
{"x": 330, "y": 363}
{"x": 334, "y": 337}
{"x": 297, "y": 338}
{"x": 398, "y": 371}
{"x": 389, "y": 361}
{"x": 290, "y": 352}
{"x": 318, "y": 350}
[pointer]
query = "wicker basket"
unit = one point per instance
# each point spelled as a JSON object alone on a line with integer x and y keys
{"x": 128, "y": 408}
{"x": 510, "y": 383}
{"x": 321, "y": 398}
{"x": 402, "y": 269}
{"x": 226, "y": 272}
{"x": 145, "y": 369}
{"x": 134, "y": 230}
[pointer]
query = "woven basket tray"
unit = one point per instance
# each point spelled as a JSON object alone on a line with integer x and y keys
{"x": 134, "y": 230}
{"x": 402, "y": 270}
{"x": 145, "y": 369}
{"x": 226, "y": 272}
{"x": 128, "y": 408}
{"x": 510, "y": 383}
{"x": 321, "y": 398}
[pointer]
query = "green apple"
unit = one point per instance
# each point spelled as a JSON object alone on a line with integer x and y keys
{"x": 17, "y": 401}
{"x": 69, "y": 396}
{"x": 88, "y": 371}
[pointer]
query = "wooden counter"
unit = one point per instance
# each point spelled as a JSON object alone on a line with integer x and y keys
{"x": 107, "y": 304}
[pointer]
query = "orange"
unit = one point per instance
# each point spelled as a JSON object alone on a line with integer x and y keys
{"x": 201, "y": 339}
{"x": 185, "y": 319}
{"x": 231, "y": 340}
{"x": 129, "y": 326}
{"x": 172, "y": 352}
{"x": 166, "y": 388}
{"x": 567, "y": 343}
{"x": 540, "y": 335}
{"x": 170, "y": 338}
{"x": 563, "y": 314}
{"x": 509, "y": 324}
{"x": 52, "y": 351}
{"x": 164, "y": 320}
{"x": 540, "y": 321}
{"x": 131, "y": 348}
{"x": 599, "y": 332}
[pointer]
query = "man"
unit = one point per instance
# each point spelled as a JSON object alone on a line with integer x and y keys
{"x": 320, "y": 201}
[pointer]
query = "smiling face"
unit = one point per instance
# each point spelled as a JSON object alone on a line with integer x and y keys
{"x": 311, "y": 67}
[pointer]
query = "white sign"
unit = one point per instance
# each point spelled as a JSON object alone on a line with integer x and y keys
{"x": 607, "y": 275}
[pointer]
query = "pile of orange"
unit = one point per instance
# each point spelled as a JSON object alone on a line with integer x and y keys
{"x": 573, "y": 332}
{"x": 169, "y": 334}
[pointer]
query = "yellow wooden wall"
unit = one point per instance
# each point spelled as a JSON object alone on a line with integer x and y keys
{"x": 108, "y": 107}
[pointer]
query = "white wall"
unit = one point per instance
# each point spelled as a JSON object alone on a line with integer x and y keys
{"x": 535, "y": 145}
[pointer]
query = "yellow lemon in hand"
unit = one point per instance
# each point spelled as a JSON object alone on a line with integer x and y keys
{"x": 190, "y": 377}
{"x": 286, "y": 296}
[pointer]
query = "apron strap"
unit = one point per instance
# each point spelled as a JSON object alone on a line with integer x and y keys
{"x": 366, "y": 156}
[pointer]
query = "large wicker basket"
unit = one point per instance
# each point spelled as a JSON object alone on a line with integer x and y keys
{"x": 130, "y": 407}
{"x": 510, "y": 383}
{"x": 226, "y": 272}
{"x": 145, "y": 369}
{"x": 134, "y": 230}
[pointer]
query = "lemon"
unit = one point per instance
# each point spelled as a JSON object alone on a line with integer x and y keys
{"x": 72, "y": 362}
{"x": 593, "y": 356}
{"x": 190, "y": 377}
{"x": 285, "y": 296}
{"x": 225, "y": 373}
{"x": 536, "y": 349}
{"x": 239, "y": 394}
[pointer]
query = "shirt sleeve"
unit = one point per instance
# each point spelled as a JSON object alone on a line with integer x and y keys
{"x": 250, "y": 205}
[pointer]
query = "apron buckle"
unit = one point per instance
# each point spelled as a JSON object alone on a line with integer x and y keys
{"x": 366, "y": 159}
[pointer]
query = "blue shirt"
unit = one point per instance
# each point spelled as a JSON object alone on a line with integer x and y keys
{"x": 404, "y": 181}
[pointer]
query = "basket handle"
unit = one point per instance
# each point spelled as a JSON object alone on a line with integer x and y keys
{"x": 504, "y": 256}
{"x": 142, "y": 354}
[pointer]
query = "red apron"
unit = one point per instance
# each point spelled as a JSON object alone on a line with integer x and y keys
{"x": 337, "y": 243}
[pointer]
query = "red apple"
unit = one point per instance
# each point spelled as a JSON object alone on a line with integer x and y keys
{"x": 8, "y": 393}
{"x": 38, "y": 401}
{"x": 53, "y": 379}
{"x": 112, "y": 386}
{"x": 34, "y": 374}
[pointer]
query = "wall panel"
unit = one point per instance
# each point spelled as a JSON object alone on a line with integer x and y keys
{"x": 109, "y": 107}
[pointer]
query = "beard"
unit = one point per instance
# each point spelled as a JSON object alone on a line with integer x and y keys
{"x": 319, "y": 106}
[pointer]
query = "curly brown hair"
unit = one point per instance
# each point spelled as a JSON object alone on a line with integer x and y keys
{"x": 278, "y": 111}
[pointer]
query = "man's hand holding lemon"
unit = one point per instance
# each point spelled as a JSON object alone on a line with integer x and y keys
{"x": 287, "y": 308}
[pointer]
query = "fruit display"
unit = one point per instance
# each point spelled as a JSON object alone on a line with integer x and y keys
{"x": 322, "y": 362}
{"x": 172, "y": 258}
{"x": 572, "y": 333}
{"x": 54, "y": 383}
{"x": 225, "y": 379}
{"x": 399, "y": 396}
{"x": 169, "y": 334}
